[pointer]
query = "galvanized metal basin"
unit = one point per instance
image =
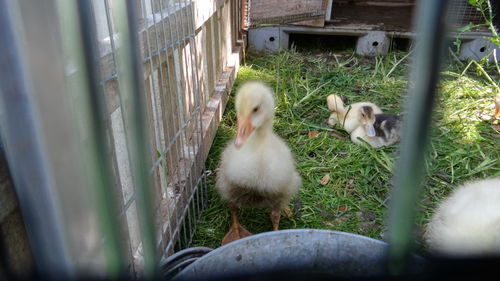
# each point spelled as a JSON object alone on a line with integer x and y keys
{"x": 338, "y": 253}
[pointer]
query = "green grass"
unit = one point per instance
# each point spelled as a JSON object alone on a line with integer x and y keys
{"x": 462, "y": 146}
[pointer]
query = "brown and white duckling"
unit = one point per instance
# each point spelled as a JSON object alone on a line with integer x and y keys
{"x": 355, "y": 115}
{"x": 257, "y": 168}
{"x": 387, "y": 131}
{"x": 468, "y": 221}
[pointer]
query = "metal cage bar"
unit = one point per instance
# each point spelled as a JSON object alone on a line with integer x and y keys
{"x": 39, "y": 205}
{"x": 133, "y": 105}
{"x": 430, "y": 38}
{"x": 97, "y": 124}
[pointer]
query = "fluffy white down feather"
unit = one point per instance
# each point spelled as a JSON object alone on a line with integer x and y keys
{"x": 269, "y": 169}
{"x": 468, "y": 221}
{"x": 264, "y": 162}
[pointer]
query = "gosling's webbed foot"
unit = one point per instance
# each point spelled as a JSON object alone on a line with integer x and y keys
{"x": 236, "y": 232}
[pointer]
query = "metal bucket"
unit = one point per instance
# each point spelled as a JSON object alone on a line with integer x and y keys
{"x": 337, "y": 253}
{"x": 178, "y": 261}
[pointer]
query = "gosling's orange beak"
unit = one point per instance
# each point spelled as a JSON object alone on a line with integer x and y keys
{"x": 245, "y": 128}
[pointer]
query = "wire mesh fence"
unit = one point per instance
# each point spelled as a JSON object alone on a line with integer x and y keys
{"x": 174, "y": 121}
{"x": 464, "y": 13}
{"x": 169, "y": 53}
{"x": 154, "y": 86}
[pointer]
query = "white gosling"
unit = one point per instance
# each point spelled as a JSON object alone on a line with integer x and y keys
{"x": 257, "y": 168}
{"x": 467, "y": 223}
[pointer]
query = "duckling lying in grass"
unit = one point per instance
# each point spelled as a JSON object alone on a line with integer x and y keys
{"x": 468, "y": 221}
{"x": 355, "y": 115}
{"x": 387, "y": 131}
{"x": 257, "y": 169}
{"x": 364, "y": 120}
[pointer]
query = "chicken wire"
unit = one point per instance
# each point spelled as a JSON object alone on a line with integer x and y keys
{"x": 463, "y": 13}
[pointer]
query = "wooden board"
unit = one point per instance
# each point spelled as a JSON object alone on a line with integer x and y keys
{"x": 298, "y": 12}
{"x": 395, "y": 15}
{"x": 394, "y": 18}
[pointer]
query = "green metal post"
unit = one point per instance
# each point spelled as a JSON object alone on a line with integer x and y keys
{"x": 133, "y": 106}
{"x": 430, "y": 46}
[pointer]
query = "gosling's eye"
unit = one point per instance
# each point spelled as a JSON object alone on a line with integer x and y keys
{"x": 255, "y": 109}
